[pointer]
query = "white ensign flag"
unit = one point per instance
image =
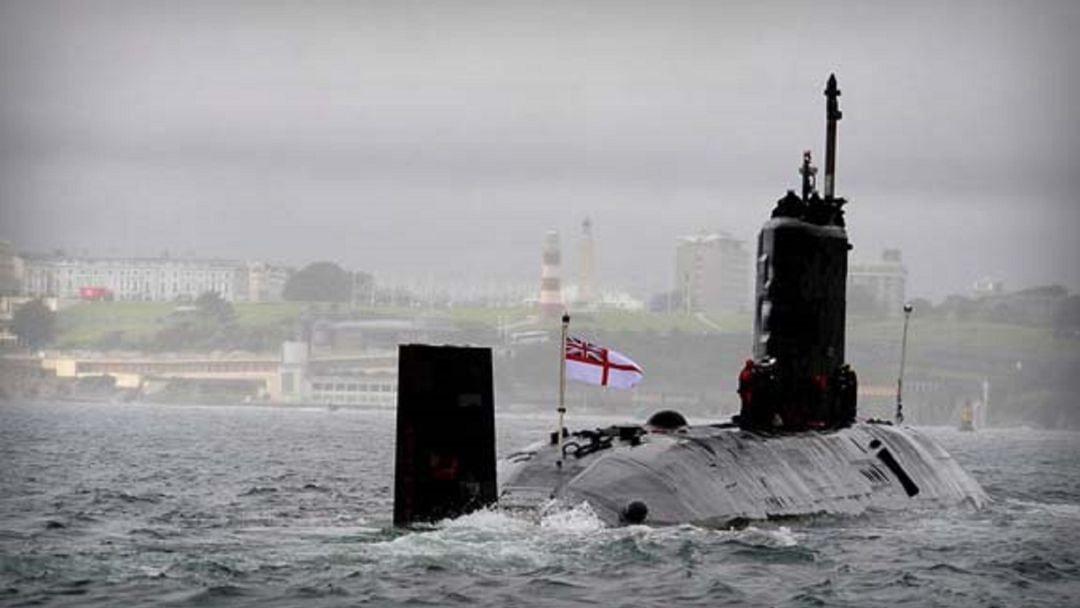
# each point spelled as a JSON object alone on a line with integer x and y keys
{"x": 599, "y": 366}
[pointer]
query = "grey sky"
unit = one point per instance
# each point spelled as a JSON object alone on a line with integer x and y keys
{"x": 443, "y": 139}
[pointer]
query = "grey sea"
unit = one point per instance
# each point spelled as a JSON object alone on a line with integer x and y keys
{"x": 109, "y": 505}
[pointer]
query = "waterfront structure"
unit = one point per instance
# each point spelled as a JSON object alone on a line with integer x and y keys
{"x": 712, "y": 273}
{"x": 152, "y": 279}
{"x": 585, "y": 297}
{"x": 294, "y": 362}
{"x": 364, "y": 335}
{"x": 137, "y": 371}
{"x": 368, "y": 379}
{"x": 371, "y": 388}
{"x": 878, "y": 287}
{"x": 358, "y": 379}
{"x": 604, "y": 299}
{"x": 551, "y": 300}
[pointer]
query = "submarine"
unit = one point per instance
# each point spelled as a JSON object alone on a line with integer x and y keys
{"x": 796, "y": 448}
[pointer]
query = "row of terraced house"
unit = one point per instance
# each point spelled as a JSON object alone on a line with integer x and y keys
{"x": 138, "y": 279}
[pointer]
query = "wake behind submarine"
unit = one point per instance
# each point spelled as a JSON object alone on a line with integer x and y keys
{"x": 794, "y": 449}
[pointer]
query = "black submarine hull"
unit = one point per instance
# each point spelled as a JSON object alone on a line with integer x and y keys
{"x": 718, "y": 475}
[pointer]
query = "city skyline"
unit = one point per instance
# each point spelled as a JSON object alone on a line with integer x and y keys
{"x": 425, "y": 139}
{"x": 479, "y": 287}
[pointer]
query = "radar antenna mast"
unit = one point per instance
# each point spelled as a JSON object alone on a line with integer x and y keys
{"x": 832, "y": 115}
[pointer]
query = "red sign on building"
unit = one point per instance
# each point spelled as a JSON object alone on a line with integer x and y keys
{"x": 95, "y": 293}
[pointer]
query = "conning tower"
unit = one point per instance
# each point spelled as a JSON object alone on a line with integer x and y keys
{"x": 798, "y": 378}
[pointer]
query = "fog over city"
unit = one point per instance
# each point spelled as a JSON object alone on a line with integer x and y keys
{"x": 316, "y": 302}
{"x": 441, "y": 140}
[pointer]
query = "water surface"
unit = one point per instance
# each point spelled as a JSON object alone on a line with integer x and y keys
{"x": 182, "y": 505}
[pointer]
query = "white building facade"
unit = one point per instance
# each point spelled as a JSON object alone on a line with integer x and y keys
{"x": 152, "y": 279}
{"x": 712, "y": 273}
{"x": 878, "y": 287}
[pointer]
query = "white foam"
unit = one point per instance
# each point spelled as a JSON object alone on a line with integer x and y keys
{"x": 490, "y": 539}
{"x": 778, "y": 537}
{"x": 485, "y": 536}
{"x": 487, "y": 520}
{"x": 578, "y": 518}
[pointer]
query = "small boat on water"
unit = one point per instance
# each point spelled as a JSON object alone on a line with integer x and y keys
{"x": 967, "y": 417}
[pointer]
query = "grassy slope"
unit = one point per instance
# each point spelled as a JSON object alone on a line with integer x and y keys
{"x": 960, "y": 349}
{"x": 608, "y": 320}
{"x": 84, "y": 324}
{"x": 961, "y": 335}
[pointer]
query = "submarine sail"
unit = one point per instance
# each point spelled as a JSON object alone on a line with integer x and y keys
{"x": 798, "y": 378}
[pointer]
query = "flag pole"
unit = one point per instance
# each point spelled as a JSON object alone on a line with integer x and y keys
{"x": 900, "y": 379}
{"x": 562, "y": 390}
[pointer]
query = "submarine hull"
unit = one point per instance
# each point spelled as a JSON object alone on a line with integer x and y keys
{"x": 718, "y": 476}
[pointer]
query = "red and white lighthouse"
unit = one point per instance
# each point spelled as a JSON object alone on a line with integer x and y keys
{"x": 551, "y": 301}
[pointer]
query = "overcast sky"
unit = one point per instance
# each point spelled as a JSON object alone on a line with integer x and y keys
{"x": 442, "y": 139}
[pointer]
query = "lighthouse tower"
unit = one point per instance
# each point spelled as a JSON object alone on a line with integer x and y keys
{"x": 551, "y": 302}
{"x": 586, "y": 253}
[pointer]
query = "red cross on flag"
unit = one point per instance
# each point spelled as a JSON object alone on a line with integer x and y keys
{"x": 592, "y": 364}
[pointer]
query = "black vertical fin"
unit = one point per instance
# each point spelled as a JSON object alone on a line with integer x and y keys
{"x": 445, "y": 463}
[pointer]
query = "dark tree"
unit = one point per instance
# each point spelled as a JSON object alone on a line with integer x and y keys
{"x": 319, "y": 282}
{"x": 34, "y": 324}
{"x": 212, "y": 306}
{"x": 1067, "y": 316}
{"x": 923, "y": 306}
{"x": 959, "y": 307}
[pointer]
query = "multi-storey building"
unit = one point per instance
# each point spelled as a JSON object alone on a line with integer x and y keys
{"x": 585, "y": 297}
{"x": 878, "y": 287}
{"x": 265, "y": 282}
{"x": 151, "y": 279}
{"x": 712, "y": 273}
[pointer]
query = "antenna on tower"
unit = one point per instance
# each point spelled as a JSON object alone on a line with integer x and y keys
{"x": 832, "y": 115}
{"x": 809, "y": 176}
